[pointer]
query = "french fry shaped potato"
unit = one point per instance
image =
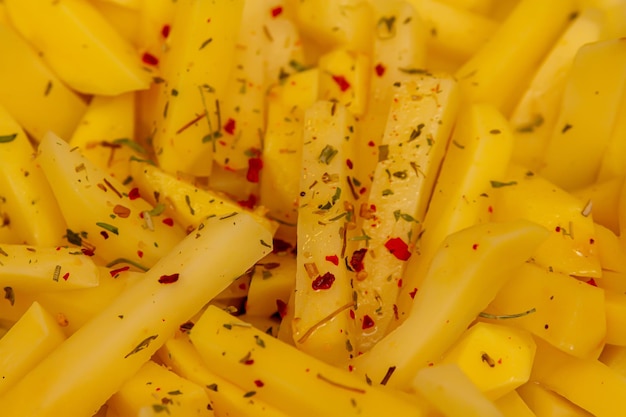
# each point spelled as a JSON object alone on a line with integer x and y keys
{"x": 302, "y": 386}
{"x": 30, "y": 340}
{"x": 156, "y": 387}
{"x": 33, "y": 268}
{"x": 496, "y": 358}
{"x": 273, "y": 281}
{"x": 512, "y": 405}
{"x": 570, "y": 249}
{"x": 464, "y": 276}
{"x": 568, "y": 313}
{"x": 601, "y": 394}
{"x": 590, "y": 109}
{"x": 71, "y": 31}
{"x": 28, "y": 203}
{"x": 495, "y": 74}
{"x": 322, "y": 325}
{"x": 546, "y": 403}
{"x": 79, "y": 376}
{"x": 451, "y": 392}
{"x": 187, "y": 119}
{"x": 102, "y": 215}
{"x": 32, "y": 93}
{"x": 420, "y": 120}
{"x": 479, "y": 150}
{"x": 186, "y": 203}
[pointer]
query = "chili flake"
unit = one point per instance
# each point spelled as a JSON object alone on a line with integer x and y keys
{"x": 149, "y": 59}
{"x": 323, "y": 282}
{"x": 229, "y": 127}
{"x": 115, "y": 272}
{"x": 133, "y": 194}
{"x": 332, "y": 259}
{"x": 168, "y": 221}
{"x": 412, "y": 293}
{"x": 168, "y": 279}
{"x": 281, "y": 307}
{"x": 258, "y": 383}
{"x": 9, "y": 294}
{"x": 66, "y": 276}
{"x": 254, "y": 168}
{"x": 276, "y": 11}
{"x": 356, "y": 260}
{"x": 398, "y": 248}
{"x": 592, "y": 282}
{"x": 165, "y": 31}
{"x": 368, "y": 322}
{"x": 380, "y": 69}
{"x": 341, "y": 82}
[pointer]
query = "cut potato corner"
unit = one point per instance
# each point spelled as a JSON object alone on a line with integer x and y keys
{"x": 105, "y": 135}
{"x": 602, "y": 392}
{"x": 273, "y": 280}
{"x": 187, "y": 120}
{"x": 186, "y": 203}
{"x": 452, "y": 392}
{"x": 73, "y": 31}
{"x": 142, "y": 318}
{"x": 479, "y": 150}
{"x": 27, "y": 342}
{"x": 228, "y": 343}
{"x": 153, "y": 386}
{"x": 97, "y": 207}
{"x": 534, "y": 116}
{"x": 512, "y": 405}
{"x": 179, "y": 354}
{"x": 495, "y": 74}
{"x": 570, "y": 249}
{"x": 28, "y": 204}
{"x": 590, "y": 108}
{"x": 30, "y": 268}
{"x": 496, "y": 358}
{"x": 322, "y": 325}
{"x": 565, "y": 312}
{"x": 465, "y": 275}
{"x": 546, "y": 403}
{"x": 419, "y": 123}
{"x": 32, "y": 93}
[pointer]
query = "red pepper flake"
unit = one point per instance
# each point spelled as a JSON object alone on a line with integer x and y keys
{"x": 281, "y": 307}
{"x": 242, "y": 286}
{"x": 250, "y": 203}
{"x": 362, "y": 190}
{"x": 368, "y": 322}
{"x": 592, "y": 282}
{"x": 140, "y": 254}
{"x": 371, "y": 143}
{"x": 66, "y": 276}
{"x": 398, "y": 248}
{"x": 149, "y": 59}
{"x": 104, "y": 234}
{"x": 229, "y": 127}
{"x": 133, "y": 194}
{"x": 412, "y": 293}
{"x": 380, "y": 69}
{"x": 254, "y": 168}
{"x": 349, "y": 163}
{"x": 248, "y": 362}
{"x": 281, "y": 246}
{"x": 168, "y": 221}
{"x": 259, "y": 383}
{"x": 332, "y": 259}
{"x": 168, "y": 279}
{"x": 557, "y": 229}
{"x": 592, "y": 241}
{"x": 350, "y": 368}
{"x": 500, "y": 361}
{"x": 165, "y": 31}
{"x": 490, "y": 209}
{"x": 400, "y": 283}
{"x": 276, "y": 11}
{"x": 117, "y": 271}
{"x": 88, "y": 251}
{"x": 341, "y": 82}
{"x": 475, "y": 246}
{"x": 356, "y": 260}
{"x": 323, "y": 282}
{"x": 352, "y": 315}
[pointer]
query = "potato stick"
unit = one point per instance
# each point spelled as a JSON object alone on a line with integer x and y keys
{"x": 344, "y": 78}
{"x": 497, "y": 358}
{"x": 32, "y": 93}
{"x": 109, "y": 64}
{"x": 479, "y": 151}
{"x": 105, "y": 135}
{"x": 104, "y": 216}
{"x": 454, "y": 33}
{"x": 187, "y": 204}
{"x": 465, "y": 275}
{"x": 31, "y": 268}
{"x": 615, "y": 358}
{"x": 590, "y": 109}
{"x": 79, "y": 376}
{"x": 418, "y": 128}
{"x": 544, "y": 402}
{"x": 273, "y": 280}
{"x": 615, "y": 304}
{"x": 187, "y": 116}
{"x": 512, "y": 405}
{"x": 28, "y": 204}
{"x": 601, "y": 394}
{"x": 30, "y": 340}
{"x": 535, "y": 115}
{"x": 453, "y": 393}
{"x": 226, "y": 398}
{"x": 322, "y": 325}
{"x": 293, "y": 381}
{"x": 495, "y": 74}
{"x": 123, "y": 19}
